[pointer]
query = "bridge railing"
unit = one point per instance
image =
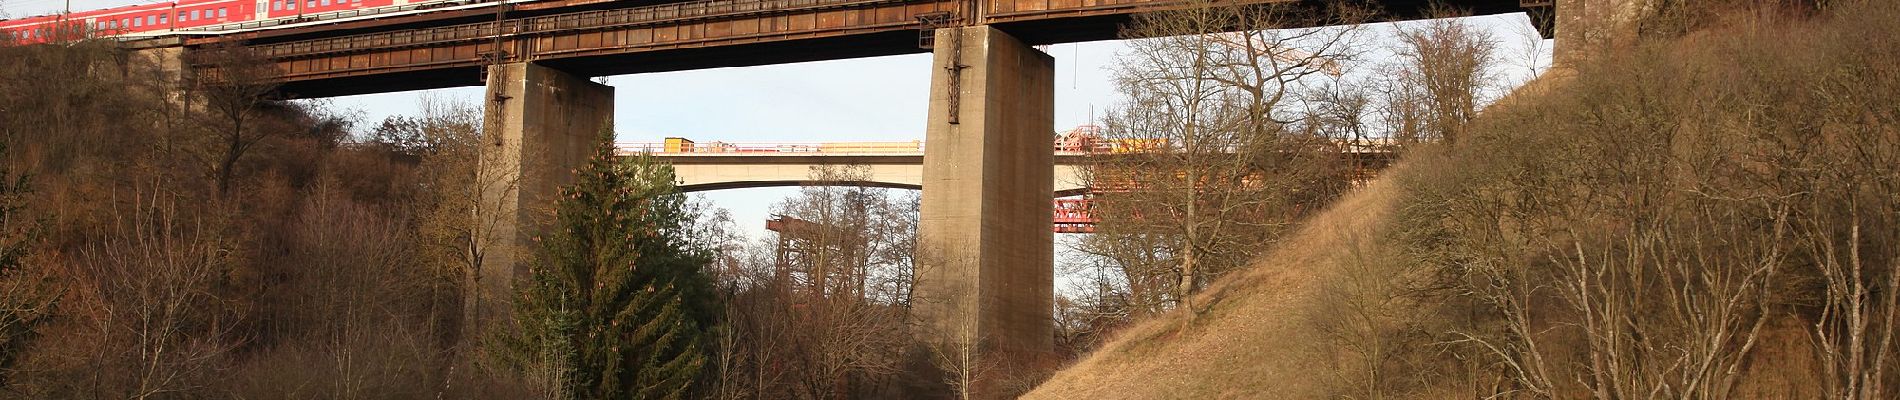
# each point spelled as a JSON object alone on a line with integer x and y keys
{"x": 677, "y": 147}
{"x": 674, "y": 148}
{"x": 686, "y": 148}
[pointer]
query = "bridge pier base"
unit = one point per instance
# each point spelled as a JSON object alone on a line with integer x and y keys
{"x": 541, "y": 125}
{"x": 985, "y": 250}
{"x": 1583, "y": 25}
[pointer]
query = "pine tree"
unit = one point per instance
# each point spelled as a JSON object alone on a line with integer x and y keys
{"x": 617, "y": 305}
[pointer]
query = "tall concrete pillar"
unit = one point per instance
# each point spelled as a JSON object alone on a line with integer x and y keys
{"x": 158, "y": 68}
{"x": 1586, "y": 24}
{"x": 985, "y": 250}
{"x": 542, "y": 124}
{"x": 163, "y": 64}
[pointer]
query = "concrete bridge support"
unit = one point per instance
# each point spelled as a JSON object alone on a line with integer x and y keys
{"x": 1586, "y": 24}
{"x": 542, "y": 124}
{"x": 164, "y": 66}
{"x": 985, "y": 251}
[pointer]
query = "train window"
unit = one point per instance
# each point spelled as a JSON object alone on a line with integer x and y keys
{"x": 151, "y": 20}
{"x": 276, "y": 6}
{"x": 290, "y": 5}
{"x": 138, "y": 22}
{"x": 326, "y": 3}
{"x": 221, "y": 13}
{"x": 161, "y": 19}
{"x": 309, "y": 3}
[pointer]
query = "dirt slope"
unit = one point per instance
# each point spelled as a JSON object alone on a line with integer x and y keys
{"x": 1256, "y": 341}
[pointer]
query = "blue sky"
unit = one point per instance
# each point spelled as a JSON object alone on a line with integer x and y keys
{"x": 867, "y": 99}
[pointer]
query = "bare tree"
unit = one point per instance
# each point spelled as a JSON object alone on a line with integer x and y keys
{"x": 237, "y": 87}
{"x": 151, "y": 303}
{"x": 966, "y": 369}
{"x": 1212, "y": 156}
{"x": 458, "y": 217}
{"x": 1444, "y": 70}
{"x": 822, "y": 310}
{"x": 1096, "y": 304}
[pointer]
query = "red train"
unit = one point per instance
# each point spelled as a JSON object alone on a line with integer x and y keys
{"x": 204, "y": 17}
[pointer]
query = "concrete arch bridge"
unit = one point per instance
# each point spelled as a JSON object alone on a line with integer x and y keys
{"x": 898, "y": 165}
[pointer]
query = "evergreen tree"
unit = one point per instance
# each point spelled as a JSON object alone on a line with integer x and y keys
{"x": 23, "y": 303}
{"x": 618, "y": 306}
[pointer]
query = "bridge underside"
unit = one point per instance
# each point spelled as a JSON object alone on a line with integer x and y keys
{"x": 401, "y": 54}
{"x": 707, "y": 187}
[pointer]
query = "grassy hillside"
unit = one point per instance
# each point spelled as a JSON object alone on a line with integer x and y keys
{"x": 1707, "y": 212}
{"x": 1256, "y": 341}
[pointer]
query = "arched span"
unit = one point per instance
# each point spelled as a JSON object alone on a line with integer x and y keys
{"x": 710, "y": 186}
{"x": 1071, "y": 192}
{"x": 698, "y": 176}
{"x": 707, "y": 187}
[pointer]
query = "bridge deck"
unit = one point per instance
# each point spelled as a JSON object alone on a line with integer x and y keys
{"x": 610, "y": 38}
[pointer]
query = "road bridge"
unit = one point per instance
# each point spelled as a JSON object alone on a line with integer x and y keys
{"x": 898, "y": 165}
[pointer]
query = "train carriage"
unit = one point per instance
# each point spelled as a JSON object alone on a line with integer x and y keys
{"x": 215, "y": 16}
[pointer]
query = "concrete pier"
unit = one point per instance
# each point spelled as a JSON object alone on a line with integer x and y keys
{"x": 542, "y": 125}
{"x": 985, "y": 252}
{"x": 1584, "y": 25}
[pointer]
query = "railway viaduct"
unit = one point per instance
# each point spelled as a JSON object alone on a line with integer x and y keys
{"x": 986, "y": 175}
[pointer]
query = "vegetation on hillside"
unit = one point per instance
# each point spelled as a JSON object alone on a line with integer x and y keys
{"x": 1230, "y": 140}
{"x": 1216, "y": 153}
{"x": 170, "y": 265}
{"x": 1687, "y": 216}
{"x": 1702, "y": 210}
{"x": 195, "y": 237}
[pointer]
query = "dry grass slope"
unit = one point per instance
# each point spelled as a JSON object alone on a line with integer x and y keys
{"x": 1666, "y": 165}
{"x": 1255, "y": 342}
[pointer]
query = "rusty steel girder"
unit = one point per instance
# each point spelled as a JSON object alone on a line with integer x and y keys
{"x": 676, "y": 36}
